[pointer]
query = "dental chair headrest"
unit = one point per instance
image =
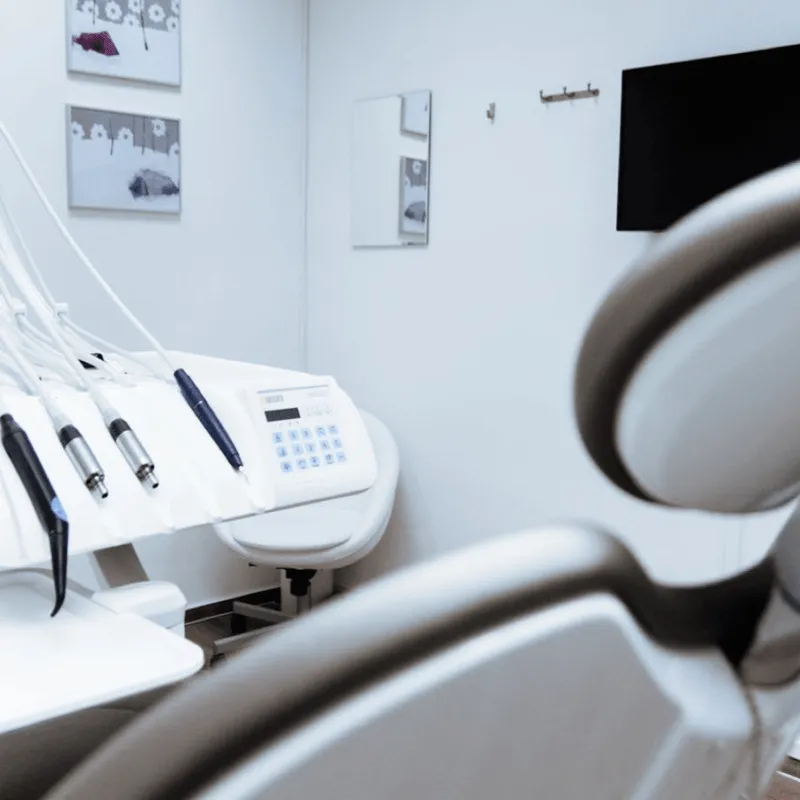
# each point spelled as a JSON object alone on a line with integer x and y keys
{"x": 687, "y": 390}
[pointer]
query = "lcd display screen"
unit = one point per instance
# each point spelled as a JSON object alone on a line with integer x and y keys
{"x": 282, "y": 414}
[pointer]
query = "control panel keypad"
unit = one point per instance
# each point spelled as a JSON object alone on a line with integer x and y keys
{"x": 300, "y": 449}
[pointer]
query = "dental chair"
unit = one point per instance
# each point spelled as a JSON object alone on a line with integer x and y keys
{"x": 547, "y": 664}
{"x": 306, "y": 540}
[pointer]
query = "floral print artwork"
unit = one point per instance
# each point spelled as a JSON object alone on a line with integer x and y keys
{"x": 135, "y": 39}
{"x": 156, "y": 12}
{"x": 124, "y": 162}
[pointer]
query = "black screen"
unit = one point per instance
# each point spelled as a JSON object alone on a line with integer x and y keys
{"x": 281, "y": 414}
{"x": 694, "y": 129}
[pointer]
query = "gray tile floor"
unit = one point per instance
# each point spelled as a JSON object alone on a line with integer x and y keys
{"x": 207, "y": 631}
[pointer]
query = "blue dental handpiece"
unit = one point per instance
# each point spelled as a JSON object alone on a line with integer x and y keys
{"x": 210, "y": 421}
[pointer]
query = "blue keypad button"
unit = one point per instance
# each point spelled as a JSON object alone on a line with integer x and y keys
{"x": 294, "y": 435}
{"x": 333, "y": 430}
{"x": 314, "y": 461}
{"x": 277, "y": 438}
{"x": 341, "y": 457}
{"x": 297, "y": 449}
{"x": 311, "y": 447}
{"x": 281, "y": 451}
{"x": 306, "y": 433}
{"x": 325, "y": 444}
{"x": 329, "y": 458}
{"x": 286, "y": 466}
{"x": 337, "y": 443}
{"x": 321, "y": 431}
{"x": 302, "y": 463}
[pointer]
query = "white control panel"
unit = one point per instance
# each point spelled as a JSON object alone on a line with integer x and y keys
{"x": 305, "y": 431}
{"x": 312, "y": 443}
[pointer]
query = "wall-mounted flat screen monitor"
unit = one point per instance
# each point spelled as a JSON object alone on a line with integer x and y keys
{"x": 694, "y": 129}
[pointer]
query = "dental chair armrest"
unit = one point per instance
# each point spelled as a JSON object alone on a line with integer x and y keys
{"x": 159, "y": 601}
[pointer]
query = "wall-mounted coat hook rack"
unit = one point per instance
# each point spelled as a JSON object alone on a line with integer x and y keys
{"x": 581, "y": 94}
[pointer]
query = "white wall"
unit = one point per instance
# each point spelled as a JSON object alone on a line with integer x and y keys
{"x": 466, "y": 348}
{"x": 226, "y": 278}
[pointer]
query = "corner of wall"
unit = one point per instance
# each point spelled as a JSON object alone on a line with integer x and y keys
{"x": 304, "y": 281}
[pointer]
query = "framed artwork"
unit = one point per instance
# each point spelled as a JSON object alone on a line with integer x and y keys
{"x": 134, "y": 39}
{"x": 413, "y": 195}
{"x": 416, "y": 117}
{"x": 123, "y": 162}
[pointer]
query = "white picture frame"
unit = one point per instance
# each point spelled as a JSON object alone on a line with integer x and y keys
{"x": 120, "y": 161}
{"x": 413, "y": 196}
{"x": 137, "y": 40}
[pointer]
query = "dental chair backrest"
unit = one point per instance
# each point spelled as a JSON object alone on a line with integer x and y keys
{"x": 688, "y": 383}
{"x": 544, "y": 664}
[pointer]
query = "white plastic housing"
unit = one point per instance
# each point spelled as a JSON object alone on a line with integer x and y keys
{"x": 159, "y": 601}
{"x": 329, "y": 534}
{"x": 84, "y": 657}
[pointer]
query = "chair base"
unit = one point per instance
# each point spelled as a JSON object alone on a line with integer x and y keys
{"x": 321, "y": 588}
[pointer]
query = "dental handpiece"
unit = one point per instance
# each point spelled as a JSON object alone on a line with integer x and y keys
{"x": 208, "y": 418}
{"x": 84, "y": 460}
{"x": 134, "y": 452}
{"x": 44, "y": 499}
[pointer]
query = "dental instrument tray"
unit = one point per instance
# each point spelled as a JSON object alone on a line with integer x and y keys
{"x": 301, "y": 438}
{"x": 86, "y": 656}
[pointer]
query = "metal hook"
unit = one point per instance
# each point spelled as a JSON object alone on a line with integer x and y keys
{"x": 490, "y": 112}
{"x": 568, "y": 95}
